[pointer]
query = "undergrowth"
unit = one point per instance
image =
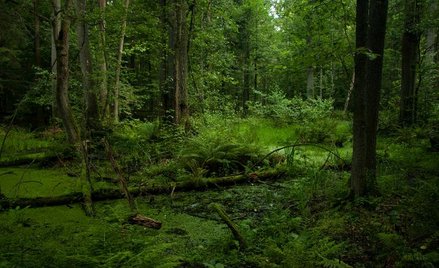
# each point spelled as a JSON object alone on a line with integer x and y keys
{"x": 303, "y": 219}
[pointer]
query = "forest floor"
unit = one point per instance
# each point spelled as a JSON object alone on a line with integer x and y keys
{"x": 300, "y": 219}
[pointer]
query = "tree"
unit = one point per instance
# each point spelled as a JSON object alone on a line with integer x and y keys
{"x": 370, "y": 34}
{"x": 85, "y": 59}
{"x": 409, "y": 62}
{"x": 103, "y": 62}
{"x": 119, "y": 62}
{"x": 61, "y": 38}
{"x": 180, "y": 49}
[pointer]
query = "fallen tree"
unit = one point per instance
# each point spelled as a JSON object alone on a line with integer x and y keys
{"x": 111, "y": 194}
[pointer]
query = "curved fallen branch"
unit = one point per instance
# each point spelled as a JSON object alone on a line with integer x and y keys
{"x": 111, "y": 194}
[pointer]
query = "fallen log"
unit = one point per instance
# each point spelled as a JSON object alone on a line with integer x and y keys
{"x": 232, "y": 226}
{"x": 201, "y": 184}
{"x": 144, "y": 221}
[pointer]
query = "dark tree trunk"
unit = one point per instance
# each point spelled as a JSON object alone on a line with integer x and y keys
{"x": 37, "y": 45}
{"x": 180, "y": 32}
{"x": 56, "y": 26}
{"x": 376, "y": 36}
{"x": 409, "y": 62}
{"x": 61, "y": 38}
{"x": 358, "y": 179}
{"x": 166, "y": 69}
{"x": 103, "y": 62}
{"x": 88, "y": 83}
{"x": 367, "y": 87}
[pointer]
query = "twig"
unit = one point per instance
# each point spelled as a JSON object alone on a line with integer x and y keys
{"x": 122, "y": 181}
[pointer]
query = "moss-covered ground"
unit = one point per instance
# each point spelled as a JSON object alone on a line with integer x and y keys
{"x": 302, "y": 219}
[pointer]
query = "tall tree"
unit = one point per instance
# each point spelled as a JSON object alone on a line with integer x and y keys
{"x": 85, "y": 59}
{"x": 409, "y": 62}
{"x": 116, "y": 92}
{"x": 61, "y": 38}
{"x": 370, "y": 34}
{"x": 37, "y": 45}
{"x": 103, "y": 61}
{"x": 180, "y": 49}
{"x": 56, "y": 26}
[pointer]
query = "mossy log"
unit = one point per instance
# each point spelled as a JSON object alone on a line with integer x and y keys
{"x": 110, "y": 194}
{"x": 232, "y": 226}
{"x": 26, "y": 160}
{"x": 144, "y": 221}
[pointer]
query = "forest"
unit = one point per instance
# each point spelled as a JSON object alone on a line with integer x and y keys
{"x": 219, "y": 133}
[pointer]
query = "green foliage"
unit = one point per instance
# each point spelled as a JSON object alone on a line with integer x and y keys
{"x": 277, "y": 107}
{"x": 325, "y": 130}
{"x": 217, "y": 157}
{"x": 21, "y": 141}
{"x": 132, "y": 142}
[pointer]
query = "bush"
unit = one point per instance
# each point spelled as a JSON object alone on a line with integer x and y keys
{"x": 277, "y": 107}
{"x": 217, "y": 157}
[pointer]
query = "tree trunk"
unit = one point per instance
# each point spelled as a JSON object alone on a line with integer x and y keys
{"x": 376, "y": 36}
{"x": 37, "y": 46}
{"x": 180, "y": 63}
{"x": 348, "y": 97}
{"x": 119, "y": 63}
{"x": 88, "y": 83}
{"x": 103, "y": 62}
{"x": 409, "y": 62}
{"x": 56, "y": 26}
{"x": 431, "y": 60}
{"x": 368, "y": 74}
{"x": 62, "y": 100}
{"x": 61, "y": 38}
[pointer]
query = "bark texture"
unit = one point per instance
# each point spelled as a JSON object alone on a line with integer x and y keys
{"x": 370, "y": 34}
{"x": 61, "y": 38}
{"x": 409, "y": 62}
{"x": 85, "y": 59}
{"x": 180, "y": 32}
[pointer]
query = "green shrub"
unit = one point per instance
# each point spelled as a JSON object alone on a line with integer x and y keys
{"x": 217, "y": 157}
{"x": 276, "y": 106}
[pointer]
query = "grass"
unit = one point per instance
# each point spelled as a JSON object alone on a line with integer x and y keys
{"x": 23, "y": 145}
{"x": 302, "y": 220}
{"x": 65, "y": 237}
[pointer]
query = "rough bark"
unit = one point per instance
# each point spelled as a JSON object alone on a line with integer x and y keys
{"x": 88, "y": 83}
{"x": 409, "y": 62}
{"x": 376, "y": 36}
{"x": 367, "y": 87}
{"x": 61, "y": 38}
{"x": 56, "y": 26}
{"x": 358, "y": 179}
{"x": 180, "y": 63}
